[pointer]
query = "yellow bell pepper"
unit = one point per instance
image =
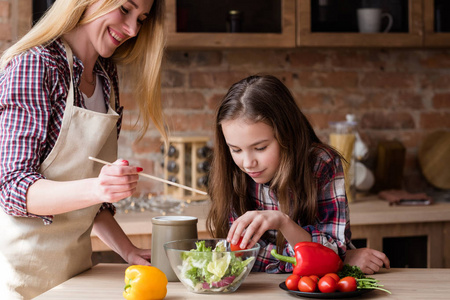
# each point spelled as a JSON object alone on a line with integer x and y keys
{"x": 144, "y": 283}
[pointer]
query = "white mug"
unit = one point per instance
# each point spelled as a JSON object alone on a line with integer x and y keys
{"x": 369, "y": 20}
{"x": 364, "y": 178}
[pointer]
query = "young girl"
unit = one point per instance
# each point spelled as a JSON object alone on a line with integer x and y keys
{"x": 273, "y": 182}
{"x": 59, "y": 104}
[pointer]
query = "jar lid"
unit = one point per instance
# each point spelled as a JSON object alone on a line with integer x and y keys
{"x": 347, "y": 126}
{"x": 174, "y": 220}
{"x": 234, "y": 12}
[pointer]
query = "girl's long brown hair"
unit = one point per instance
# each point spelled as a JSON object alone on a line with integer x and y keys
{"x": 264, "y": 99}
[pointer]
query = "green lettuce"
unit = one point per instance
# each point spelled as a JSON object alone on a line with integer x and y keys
{"x": 206, "y": 265}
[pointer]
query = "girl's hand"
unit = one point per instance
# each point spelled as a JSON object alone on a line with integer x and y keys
{"x": 116, "y": 182}
{"x": 368, "y": 260}
{"x": 253, "y": 224}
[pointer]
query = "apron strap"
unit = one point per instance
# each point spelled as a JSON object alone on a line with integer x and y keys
{"x": 70, "y": 59}
{"x": 112, "y": 101}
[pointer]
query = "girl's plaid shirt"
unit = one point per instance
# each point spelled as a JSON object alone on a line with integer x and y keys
{"x": 332, "y": 226}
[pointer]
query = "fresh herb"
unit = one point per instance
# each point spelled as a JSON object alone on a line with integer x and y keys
{"x": 363, "y": 282}
{"x": 370, "y": 284}
{"x": 352, "y": 271}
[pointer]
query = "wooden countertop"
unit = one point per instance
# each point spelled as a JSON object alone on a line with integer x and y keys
{"x": 366, "y": 211}
{"x": 141, "y": 222}
{"x": 372, "y": 210}
{"x": 106, "y": 281}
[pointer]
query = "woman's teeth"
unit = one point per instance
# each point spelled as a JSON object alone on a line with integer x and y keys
{"x": 115, "y": 36}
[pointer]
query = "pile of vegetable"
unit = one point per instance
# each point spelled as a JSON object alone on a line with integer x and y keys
{"x": 215, "y": 269}
{"x": 349, "y": 279}
{"x": 318, "y": 268}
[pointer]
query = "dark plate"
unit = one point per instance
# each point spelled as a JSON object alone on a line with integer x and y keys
{"x": 324, "y": 295}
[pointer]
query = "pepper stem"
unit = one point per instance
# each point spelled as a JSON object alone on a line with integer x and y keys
{"x": 127, "y": 286}
{"x": 287, "y": 259}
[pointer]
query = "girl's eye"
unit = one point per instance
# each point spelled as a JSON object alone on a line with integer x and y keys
{"x": 261, "y": 149}
{"x": 235, "y": 150}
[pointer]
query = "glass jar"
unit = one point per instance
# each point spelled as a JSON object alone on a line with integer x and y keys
{"x": 342, "y": 138}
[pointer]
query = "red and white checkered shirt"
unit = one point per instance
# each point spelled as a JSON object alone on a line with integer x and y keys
{"x": 332, "y": 225}
{"x": 33, "y": 92}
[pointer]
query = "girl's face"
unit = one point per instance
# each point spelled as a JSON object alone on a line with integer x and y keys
{"x": 109, "y": 31}
{"x": 253, "y": 147}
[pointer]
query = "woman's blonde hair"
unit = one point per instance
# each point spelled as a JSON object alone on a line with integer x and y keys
{"x": 143, "y": 54}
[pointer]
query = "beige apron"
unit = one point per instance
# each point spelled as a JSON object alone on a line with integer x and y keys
{"x": 35, "y": 257}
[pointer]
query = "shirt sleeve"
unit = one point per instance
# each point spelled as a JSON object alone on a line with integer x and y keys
{"x": 266, "y": 262}
{"x": 332, "y": 227}
{"x": 25, "y": 110}
{"x": 107, "y": 206}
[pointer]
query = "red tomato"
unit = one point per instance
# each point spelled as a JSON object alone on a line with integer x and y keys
{"x": 334, "y": 276}
{"x": 307, "y": 285}
{"x": 347, "y": 284}
{"x": 315, "y": 278}
{"x": 237, "y": 247}
{"x": 327, "y": 284}
{"x": 292, "y": 282}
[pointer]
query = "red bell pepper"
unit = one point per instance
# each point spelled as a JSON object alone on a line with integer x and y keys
{"x": 312, "y": 259}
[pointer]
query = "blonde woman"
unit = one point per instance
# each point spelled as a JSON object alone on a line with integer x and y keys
{"x": 59, "y": 104}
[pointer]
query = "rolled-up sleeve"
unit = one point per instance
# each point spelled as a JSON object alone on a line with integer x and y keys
{"x": 332, "y": 226}
{"x": 25, "y": 109}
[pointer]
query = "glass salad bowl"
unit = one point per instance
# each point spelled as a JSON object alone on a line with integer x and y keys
{"x": 208, "y": 265}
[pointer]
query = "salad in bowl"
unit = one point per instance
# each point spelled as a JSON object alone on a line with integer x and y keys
{"x": 209, "y": 266}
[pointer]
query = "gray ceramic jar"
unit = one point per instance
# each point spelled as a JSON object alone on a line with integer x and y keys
{"x": 167, "y": 229}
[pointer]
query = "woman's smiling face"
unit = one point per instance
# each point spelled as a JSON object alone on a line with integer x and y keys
{"x": 253, "y": 147}
{"x": 109, "y": 31}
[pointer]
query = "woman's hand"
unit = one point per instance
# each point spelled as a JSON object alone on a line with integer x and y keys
{"x": 253, "y": 224}
{"x": 368, "y": 260}
{"x": 109, "y": 231}
{"x": 138, "y": 256}
{"x": 116, "y": 182}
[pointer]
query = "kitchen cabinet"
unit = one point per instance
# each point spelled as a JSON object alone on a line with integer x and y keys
{"x": 436, "y": 23}
{"x": 409, "y": 32}
{"x": 417, "y": 23}
{"x": 393, "y": 228}
{"x": 277, "y": 30}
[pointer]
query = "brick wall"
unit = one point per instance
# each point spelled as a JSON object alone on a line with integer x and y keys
{"x": 396, "y": 94}
{"x": 15, "y": 20}
{"x": 401, "y": 94}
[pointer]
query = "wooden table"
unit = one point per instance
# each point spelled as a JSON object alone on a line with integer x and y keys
{"x": 106, "y": 281}
{"x": 371, "y": 219}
